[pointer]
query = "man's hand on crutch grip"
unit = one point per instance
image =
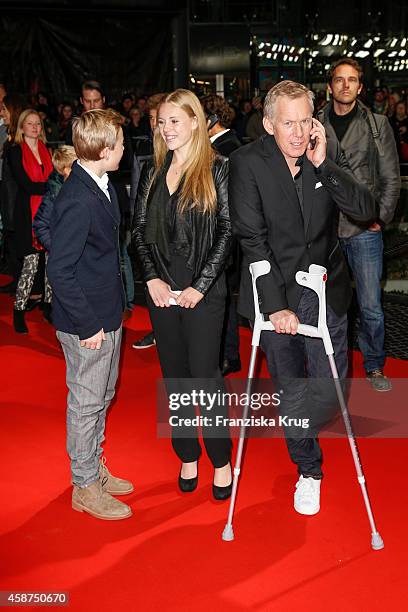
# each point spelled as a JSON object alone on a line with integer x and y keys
{"x": 284, "y": 322}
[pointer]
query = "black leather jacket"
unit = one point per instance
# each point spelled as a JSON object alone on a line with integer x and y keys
{"x": 210, "y": 234}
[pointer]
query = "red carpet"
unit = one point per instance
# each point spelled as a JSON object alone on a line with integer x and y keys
{"x": 169, "y": 555}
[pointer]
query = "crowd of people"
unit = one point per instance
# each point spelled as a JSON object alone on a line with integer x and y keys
{"x": 246, "y": 120}
{"x": 212, "y": 190}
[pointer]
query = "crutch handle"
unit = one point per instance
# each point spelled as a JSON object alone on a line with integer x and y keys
{"x": 315, "y": 279}
{"x": 304, "y": 330}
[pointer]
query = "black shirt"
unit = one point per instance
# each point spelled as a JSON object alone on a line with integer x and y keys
{"x": 341, "y": 123}
{"x": 166, "y": 227}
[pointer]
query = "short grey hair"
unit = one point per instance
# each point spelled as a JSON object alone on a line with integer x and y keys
{"x": 289, "y": 89}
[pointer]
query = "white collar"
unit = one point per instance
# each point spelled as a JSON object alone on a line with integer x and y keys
{"x": 218, "y": 134}
{"x": 101, "y": 181}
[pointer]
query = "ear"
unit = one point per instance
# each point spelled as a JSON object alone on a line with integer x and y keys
{"x": 194, "y": 123}
{"x": 268, "y": 125}
{"x": 360, "y": 88}
{"x": 104, "y": 154}
{"x": 330, "y": 89}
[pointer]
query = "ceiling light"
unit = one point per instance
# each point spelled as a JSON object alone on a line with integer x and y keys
{"x": 326, "y": 40}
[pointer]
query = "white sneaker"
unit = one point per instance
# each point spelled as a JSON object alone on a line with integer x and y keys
{"x": 307, "y": 496}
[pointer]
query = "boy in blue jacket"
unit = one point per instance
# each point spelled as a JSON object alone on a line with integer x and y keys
{"x": 88, "y": 302}
{"x": 62, "y": 160}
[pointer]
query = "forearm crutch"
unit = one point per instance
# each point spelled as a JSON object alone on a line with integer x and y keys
{"x": 314, "y": 279}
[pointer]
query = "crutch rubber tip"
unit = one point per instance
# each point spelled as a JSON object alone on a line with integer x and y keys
{"x": 377, "y": 542}
{"x": 228, "y": 533}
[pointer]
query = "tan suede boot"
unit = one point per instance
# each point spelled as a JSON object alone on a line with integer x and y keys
{"x": 112, "y": 484}
{"x": 94, "y": 500}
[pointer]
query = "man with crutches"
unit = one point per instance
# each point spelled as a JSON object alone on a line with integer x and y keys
{"x": 285, "y": 198}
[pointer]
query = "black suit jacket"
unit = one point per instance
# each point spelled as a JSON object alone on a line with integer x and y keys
{"x": 267, "y": 218}
{"x": 84, "y": 261}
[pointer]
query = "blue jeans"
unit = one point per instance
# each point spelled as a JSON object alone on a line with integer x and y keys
{"x": 299, "y": 366}
{"x": 364, "y": 253}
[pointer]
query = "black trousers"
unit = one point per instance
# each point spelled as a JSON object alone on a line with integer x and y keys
{"x": 299, "y": 366}
{"x": 188, "y": 344}
{"x": 230, "y": 337}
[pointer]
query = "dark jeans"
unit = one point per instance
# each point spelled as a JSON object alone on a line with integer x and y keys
{"x": 292, "y": 362}
{"x": 364, "y": 253}
{"x": 188, "y": 344}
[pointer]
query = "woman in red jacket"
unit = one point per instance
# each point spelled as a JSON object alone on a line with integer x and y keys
{"x": 31, "y": 165}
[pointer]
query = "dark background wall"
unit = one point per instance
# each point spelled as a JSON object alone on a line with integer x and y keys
{"x": 56, "y": 48}
{"x": 150, "y": 46}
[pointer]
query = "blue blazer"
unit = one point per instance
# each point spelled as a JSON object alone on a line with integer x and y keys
{"x": 84, "y": 260}
{"x": 42, "y": 219}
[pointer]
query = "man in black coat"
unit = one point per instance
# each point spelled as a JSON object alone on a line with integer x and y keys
{"x": 285, "y": 198}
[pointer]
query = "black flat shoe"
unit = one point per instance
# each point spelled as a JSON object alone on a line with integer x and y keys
{"x": 187, "y": 485}
{"x": 222, "y": 493}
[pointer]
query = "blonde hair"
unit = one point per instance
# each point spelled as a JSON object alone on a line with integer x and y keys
{"x": 198, "y": 189}
{"x": 19, "y": 137}
{"x": 289, "y": 89}
{"x": 63, "y": 157}
{"x": 93, "y": 131}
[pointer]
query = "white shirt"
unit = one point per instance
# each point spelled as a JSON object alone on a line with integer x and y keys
{"x": 212, "y": 138}
{"x": 101, "y": 181}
